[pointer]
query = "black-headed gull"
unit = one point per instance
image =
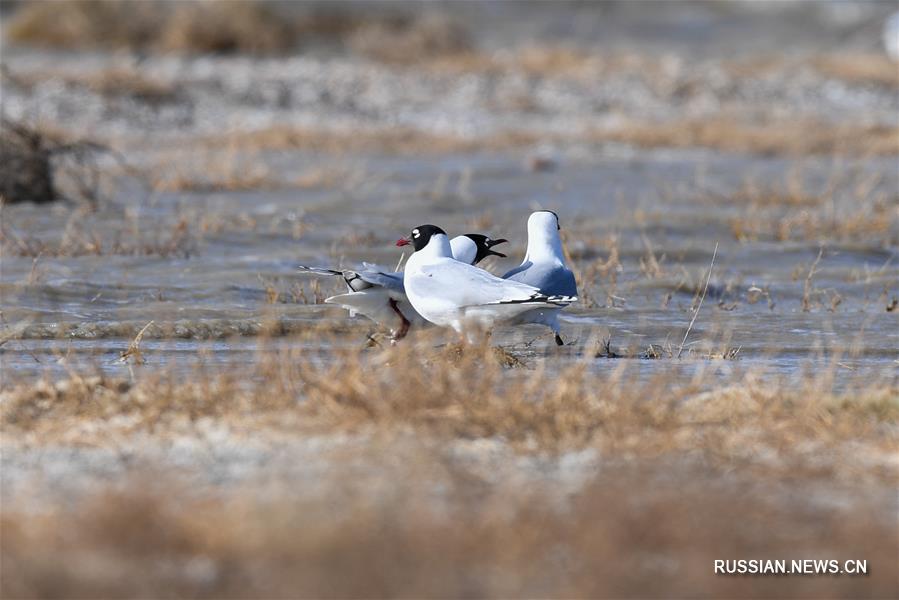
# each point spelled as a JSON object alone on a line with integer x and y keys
{"x": 544, "y": 268}
{"x": 454, "y": 294}
{"x": 380, "y": 295}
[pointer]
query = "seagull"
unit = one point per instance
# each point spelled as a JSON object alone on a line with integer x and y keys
{"x": 454, "y": 294}
{"x": 472, "y": 248}
{"x": 891, "y": 36}
{"x": 544, "y": 268}
{"x": 380, "y": 294}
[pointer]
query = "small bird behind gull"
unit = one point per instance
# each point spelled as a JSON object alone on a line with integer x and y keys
{"x": 544, "y": 268}
{"x": 454, "y": 294}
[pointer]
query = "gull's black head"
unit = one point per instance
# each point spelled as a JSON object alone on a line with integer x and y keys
{"x": 484, "y": 245}
{"x": 421, "y": 235}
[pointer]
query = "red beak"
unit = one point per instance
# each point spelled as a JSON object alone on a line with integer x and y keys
{"x": 403, "y": 242}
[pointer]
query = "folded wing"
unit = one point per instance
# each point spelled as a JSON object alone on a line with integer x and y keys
{"x": 375, "y": 275}
{"x": 553, "y": 280}
{"x": 463, "y": 285}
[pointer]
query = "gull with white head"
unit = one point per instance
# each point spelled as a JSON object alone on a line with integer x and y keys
{"x": 544, "y": 268}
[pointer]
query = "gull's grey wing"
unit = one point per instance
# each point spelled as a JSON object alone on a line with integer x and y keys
{"x": 552, "y": 280}
{"x": 522, "y": 267}
{"x": 461, "y": 285}
{"x": 393, "y": 281}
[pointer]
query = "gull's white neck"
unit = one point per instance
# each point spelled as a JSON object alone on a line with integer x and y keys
{"x": 438, "y": 248}
{"x": 544, "y": 243}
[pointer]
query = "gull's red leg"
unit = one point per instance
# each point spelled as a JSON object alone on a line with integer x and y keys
{"x": 404, "y": 327}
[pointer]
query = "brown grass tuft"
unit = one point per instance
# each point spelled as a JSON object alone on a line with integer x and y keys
{"x": 84, "y": 23}
{"x": 773, "y": 138}
{"x": 213, "y": 170}
{"x": 405, "y": 41}
{"x": 770, "y": 138}
{"x": 84, "y": 236}
{"x": 470, "y": 393}
{"x": 851, "y": 68}
{"x": 849, "y": 207}
{"x": 225, "y": 27}
{"x": 866, "y": 69}
{"x": 228, "y": 26}
{"x": 232, "y": 26}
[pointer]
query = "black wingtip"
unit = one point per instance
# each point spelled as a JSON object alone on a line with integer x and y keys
{"x": 319, "y": 270}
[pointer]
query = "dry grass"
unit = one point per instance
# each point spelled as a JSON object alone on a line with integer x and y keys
{"x": 552, "y": 61}
{"x": 396, "y": 140}
{"x": 113, "y": 82}
{"x": 84, "y": 24}
{"x": 767, "y": 138}
{"x": 865, "y": 69}
{"x": 771, "y": 138}
{"x": 851, "y": 68}
{"x": 405, "y": 41}
{"x": 394, "y": 36}
{"x": 667, "y": 74}
{"x": 213, "y": 169}
{"x": 183, "y": 26}
{"x": 849, "y": 207}
{"x": 241, "y": 166}
{"x": 129, "y": 83}
{"x": 686, "y": 477}
{"x": 237, "y": 168}
{"x": 630, "y": 533}
{"x": 469, "y": 394}
{"x": 85, "y": 235}
{"x": 232, "y": 26}
{"x": 222, "y": 27}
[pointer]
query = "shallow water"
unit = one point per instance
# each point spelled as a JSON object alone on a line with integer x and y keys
{"x": 214, "y": 285}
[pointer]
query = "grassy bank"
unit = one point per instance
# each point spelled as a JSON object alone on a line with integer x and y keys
{"x": 670, "y": 476}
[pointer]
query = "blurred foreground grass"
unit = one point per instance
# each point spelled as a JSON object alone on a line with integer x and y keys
{"x": 676, "y": 475}
{"x": 632, "y": 531}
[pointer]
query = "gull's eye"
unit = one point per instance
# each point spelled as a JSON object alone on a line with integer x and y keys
{"x": 415, "y": 233}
